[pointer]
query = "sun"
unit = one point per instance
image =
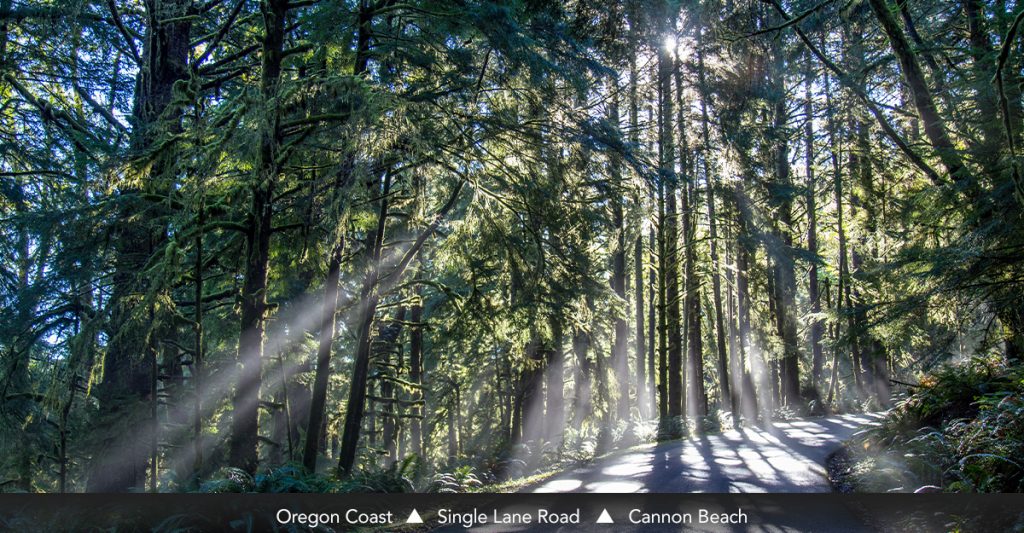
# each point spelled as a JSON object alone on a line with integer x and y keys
{"x": 671, "y": 43}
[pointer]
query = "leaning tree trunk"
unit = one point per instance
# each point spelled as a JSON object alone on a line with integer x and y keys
{"x": 934, "y": 126}
{"x": 369, "y": 297}
{"x": 323, "y": 361}
{"x": 373, "y": 287}
{"x": 330, "y": 303}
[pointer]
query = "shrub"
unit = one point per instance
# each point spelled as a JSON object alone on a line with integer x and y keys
{"x": 961, "y": 430}
{"x": 293, "y": 478}
{"x": 398, "y": 477}
{"x": 229, "y": 480}
{"x": 462, "y": 479}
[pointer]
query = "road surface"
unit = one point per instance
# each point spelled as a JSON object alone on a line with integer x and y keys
{"x": 788, "y": 457}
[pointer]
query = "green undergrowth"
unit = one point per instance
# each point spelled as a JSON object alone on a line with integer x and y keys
{"x": 961, "y": 430}
{"x": 290, "y": 478}
{"x": 498, "y": 468}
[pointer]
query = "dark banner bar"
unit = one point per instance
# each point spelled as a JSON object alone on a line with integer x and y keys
{"x": 512, "y": 512}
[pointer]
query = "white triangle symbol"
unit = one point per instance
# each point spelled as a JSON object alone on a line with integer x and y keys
{"x": 414, "y": 518}
{"x": 605, "y": 518}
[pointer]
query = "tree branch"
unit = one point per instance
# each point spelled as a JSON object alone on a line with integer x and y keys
{"x": 844, "y": 78}
{"x": 220, "y": 34}
{"x": 119, "y": 24}
{"x": 1004, "y": 104}
{"x": 392, "y": 278}
{"x": 102, "y": 111}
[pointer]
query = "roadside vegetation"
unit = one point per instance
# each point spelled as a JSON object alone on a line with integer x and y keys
{"x": 961, "y": 430}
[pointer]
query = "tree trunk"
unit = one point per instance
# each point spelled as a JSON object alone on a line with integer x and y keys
{"x": 672, "y": 348}
{"x": 696, "y": 402}
{"x": 555, "y": 416}
{"x": 662, "y": 308}
{"x": 657, "y": 405}
{"x": 750, "y": 405}
{"x": 642, "y": 391}
{"x": 121, "y": 464}
{"x": 817, "y": 357}
{"x": 582, "y": 402}
{"x": 243, "y": 444}
{"x": 786, "y": 287}
{"x": 532, "y": 396}
{"x": 331, "y": 285}
{"x": 323, "y": 361}
{"x": 154, "y": 430}
{"x": 934, "y": 126}
{"x": 369, "y": 298}
{"x": 453, "y": 425}
{"x": 389, "y": 343}
{"x": 416, "y": 370}
{"x": 737, "y": 365}
{"x": 199, "y": 349}
{"x": 620, "y": 355}
{"x": 728, "y": 398}
{"x": 984, "y": 65}
{"x": 837, "y": 185}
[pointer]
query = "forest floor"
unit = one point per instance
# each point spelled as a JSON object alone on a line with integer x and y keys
{"x": 789, "y": 456}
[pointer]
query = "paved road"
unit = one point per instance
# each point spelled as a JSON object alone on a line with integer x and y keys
{"x": 788, "y": 457}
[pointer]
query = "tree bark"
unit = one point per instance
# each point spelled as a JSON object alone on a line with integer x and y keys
{"x": 120, "y": 466}
{"x": 642, "y": 391}
{"x": 555, "y": 416}
{"x": 416, "y": 370}
{"x": 620, "y": 361}
{"x": 786, "y": 286}
{"x": 672, "y": 348}
{"x": 728, "y": 397}
{"x": 243, "y": 444}
{"x": 817, "y": 354}
{"x": 934, "y": 126}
